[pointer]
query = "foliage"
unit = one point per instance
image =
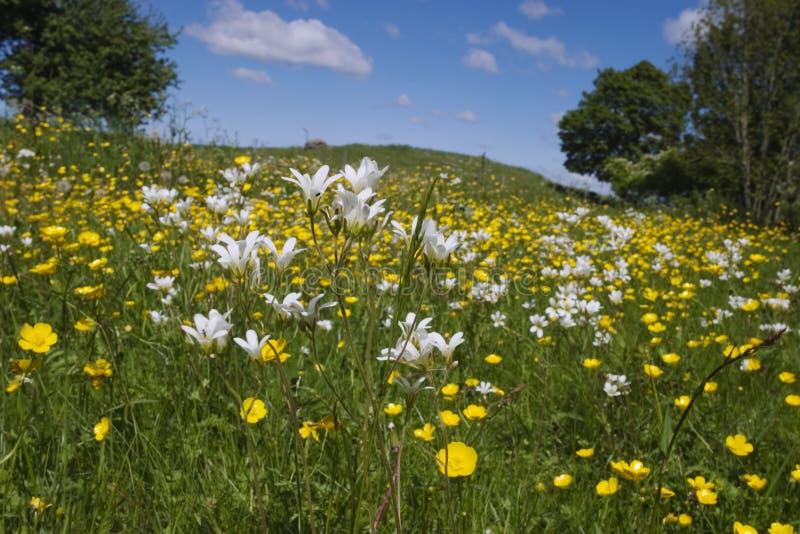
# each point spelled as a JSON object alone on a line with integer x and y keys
{"x": 744, "y": 68}
{"x": 665, "y": 173}
{"x": 99, "y": 58}
{"x": 629, "y": 114}
{"x": 113, "y": 418}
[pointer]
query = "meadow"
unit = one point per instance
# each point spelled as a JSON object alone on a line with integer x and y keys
{"x": 212, "y": 339}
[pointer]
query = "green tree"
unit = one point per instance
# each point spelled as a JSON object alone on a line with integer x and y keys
{"x": 96, "y": 58}
{"x": 744, "y": 68}
{"x": 629, "y": 114}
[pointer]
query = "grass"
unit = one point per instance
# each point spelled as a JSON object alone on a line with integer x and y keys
{"x": 567, "y": 290}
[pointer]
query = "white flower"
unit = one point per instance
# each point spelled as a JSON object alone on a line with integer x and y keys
{"x": 157, "y": 317}
{"x": 446, "y": 348}
{"x": 239, "y": 256}
{"x": 154, "y": 196}
{"x": 357, "y": 214}
{"x": 283, "y": 309}
{"x": 25, "y": 153}
{"x": 616, "y": 385}
{"x": 251, "y": 344}
{"x": 307, "y": 317}
{"x": 6, "y": 230}
{"x": 366, "y": 176}
{"x": 284, "y": 257}
{"x": 211, "y": 332}
{"x": 162, "y": 284}
{"x": 498, "y": 319}
{"x": 538, "y": 322}
{"x": 313, "y": 188}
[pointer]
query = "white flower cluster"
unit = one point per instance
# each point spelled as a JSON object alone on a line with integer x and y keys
{"x": 416, "y": 344}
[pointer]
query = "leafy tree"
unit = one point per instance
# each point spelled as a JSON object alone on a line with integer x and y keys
{"x": 744, "y": 68}
{"x": 97, "y": 58}
{"x": 629, "y": 113}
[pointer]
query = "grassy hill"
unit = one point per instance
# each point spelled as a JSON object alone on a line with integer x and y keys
{"x": 193, "y": 344}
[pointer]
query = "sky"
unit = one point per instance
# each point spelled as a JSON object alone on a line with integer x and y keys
{"x": 470, "y": 76}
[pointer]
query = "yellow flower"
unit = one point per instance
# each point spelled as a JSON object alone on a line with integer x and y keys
{"x": 793, "y": 400}
{"x": 653, "y": 371}
{"x": 90, "y": 292}
{"x": 683, "y": 401}
{"x": 738, "y": 445}
{"x": 684, "y": 520}
{"x": 458, "y": 460}
{"x": 591, "y": 363}
{"x": 787, "y": 377}
{"x": 710, "y": 387}
{"x": 635, "y": 471}
{"x": 666, "y": 493}
{"x": 84, "y": 325}
{"x": 562, "y": 481}
{"x": 449, "y": 418}
{"x": 670, "y": 358}
{"x": 309, "y": 429}
{"x": 273, "y": 347}
{"x": 473, "y": 412}
{"x": 754, "y": 481}
{"x": 101, "y": 429}
{"x": 585, "y": 453}
{"x": 97, "y": 371}
{"x": 392, "y": 376}
{"x": 751, "y": 364}
{"x": 38, "y": 505}
{"x": 23, "y": 366}
{"x": 450, "y": 390}
{"x": 706, "y": 496}
{"x": 493, "y": 359}
{"x": 700, "y": 482}
{"x": 253, "y": 410}
{"x": 779, "y": 528}
{"x": 425, "y": 433}
{"x": 53, "y": 233}
{"x": 649, "y": 318}
{"x": 14, "y": 385}
{"x": 656, "y": 327}
{"x": 604, "y": 488}
{"x": 739, "y": 528}
{"x": 393, "y": 409}
{"x": 751, "y": 305}
{"x": 38, "y": 338}
{"x": 241, "y": 160}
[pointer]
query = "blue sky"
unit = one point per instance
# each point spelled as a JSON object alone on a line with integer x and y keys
{"x": 469, "y": 76}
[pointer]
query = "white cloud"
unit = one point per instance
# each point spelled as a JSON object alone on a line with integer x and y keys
{"x": 562, "y": 93}
{"x": 551, "y": 48}
{"x": 535, "y": 10}
{"x": 419, "y": 121}
{"x": 403, "y": 100}
{"x": 392, "y": 30}
{"x": 466, "y": 116}
{"x": 680, "y": 30}
{"x": 255, "y": 76}
{"x": 265, "y": 36}
{"x": 477, "y": 39}
{"x": 480, "y": 60}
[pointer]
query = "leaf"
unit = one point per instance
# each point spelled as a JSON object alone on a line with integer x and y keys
{"x": 666, "y": 431}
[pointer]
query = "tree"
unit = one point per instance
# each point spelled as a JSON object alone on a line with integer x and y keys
{"x": 744, "y": 68}
{"x": 629, "y": 114}
{"x": 96, "y": 58}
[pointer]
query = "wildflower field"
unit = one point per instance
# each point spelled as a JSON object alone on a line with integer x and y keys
{"x": 201, "y": 339}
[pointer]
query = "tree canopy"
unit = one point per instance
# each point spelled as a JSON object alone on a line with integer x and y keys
{"x": 629, "y": 114}
{"x": 96, "y": 58}
{"x": 744, "y": 69}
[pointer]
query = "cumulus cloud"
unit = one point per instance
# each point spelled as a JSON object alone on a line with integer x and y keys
{"x": 265, "y": 36}
{"x": 680, "y": 30}
{"x": 251, "y": 75}
{"x": 551, "y": 49}
{"x": 535, "y": 10}
{"x": 480, "y": 60}
{"x": 466, "y": 116}
{"x": 392, "y": 30}
{"x": 403, "y": 100}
